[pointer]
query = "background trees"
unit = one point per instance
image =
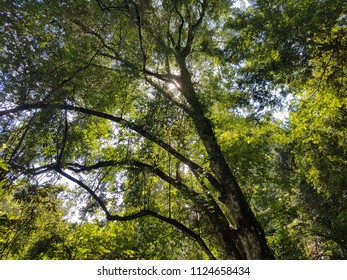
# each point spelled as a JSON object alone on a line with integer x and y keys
{"x": 307, "y": 47}
{"x": 162, "y": 112}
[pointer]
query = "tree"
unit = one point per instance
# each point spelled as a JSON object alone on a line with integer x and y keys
{"x": 121, "y": 92}
{"x": 319, "y": 129}
{"x": 154, "y": 108}
{"x": 307, "y": 62}
{"x": 34, "y": 225}
{"x": 30, "y": 221}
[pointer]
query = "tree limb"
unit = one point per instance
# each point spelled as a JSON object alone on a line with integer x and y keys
{"x": 104, "y": 7}
{"x": 137, "y": 128}
{"x": 188, "y": 192}
{"x": 63, "y": 144}
{"x": 142, "y": 213}
{"x": 192, "y": 29}
{"x": 139, "y": 28}
{"x": 115, "y": 55}
{"x": 208, "y": 206}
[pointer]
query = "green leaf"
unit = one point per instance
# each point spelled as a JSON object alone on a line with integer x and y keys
{"x": 3, "y": 165}
{"x": 43, "y": 44}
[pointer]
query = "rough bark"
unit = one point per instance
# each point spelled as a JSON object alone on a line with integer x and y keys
{"x": 248, "y": 234}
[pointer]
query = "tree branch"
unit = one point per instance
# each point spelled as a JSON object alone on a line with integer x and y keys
{"x": 137, "y": 128}
{"x": 180, "y": 29}
{"x": 64, "y": 140}
{"x": 188, "y": 192}
{"x": 208, "y": 206}
{"x": 142, "y": 213}
{"x": 22, "y": 137}
{"x": 192, "y": 29}
{"x": 103, "y": 6}
{"x": 115, "y": 55}
{"x": 139, "y": 29}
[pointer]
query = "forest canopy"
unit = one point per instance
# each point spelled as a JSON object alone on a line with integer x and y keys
{"x": 210, "y": 129}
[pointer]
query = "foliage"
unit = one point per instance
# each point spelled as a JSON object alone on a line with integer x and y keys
{"x": 310, "y": 155}
{"x": 160, "y": 115}
{"x": 319, "y": 129}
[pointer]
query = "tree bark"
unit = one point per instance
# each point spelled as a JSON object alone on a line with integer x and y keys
{"x": 248, "y": 235}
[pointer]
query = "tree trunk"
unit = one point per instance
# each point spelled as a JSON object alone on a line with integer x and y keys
{"x": 247, "y": 240}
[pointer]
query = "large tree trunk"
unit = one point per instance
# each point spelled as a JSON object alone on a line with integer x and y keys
{"x": 245, "y": 239}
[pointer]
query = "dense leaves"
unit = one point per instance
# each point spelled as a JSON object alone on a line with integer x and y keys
{"x": 173, "y": 129}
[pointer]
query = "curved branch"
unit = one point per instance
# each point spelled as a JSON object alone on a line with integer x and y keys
{"x": 142, "y": 213}
{"x": 104, "y": 7}
{"x": 183, "y": 228}
{"x": 137, "y": 128}
{"x": 188, "y": 192}
{"x": 207, "y": 204}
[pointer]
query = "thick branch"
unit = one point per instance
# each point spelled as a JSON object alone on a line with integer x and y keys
{"x": 192, "y": 29}
{"x": 188, "y": 192}
{"x": 137, "y": 128}
{"x": 208, "y": 205}
{"x": 142, "y": 213}
{"x": 22, "y": 137}
{"x": 122, "y": 6}
{"x": 180, "y": 28}
{"x": 84, "y": 186}
{"x": 183, "y": 228}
